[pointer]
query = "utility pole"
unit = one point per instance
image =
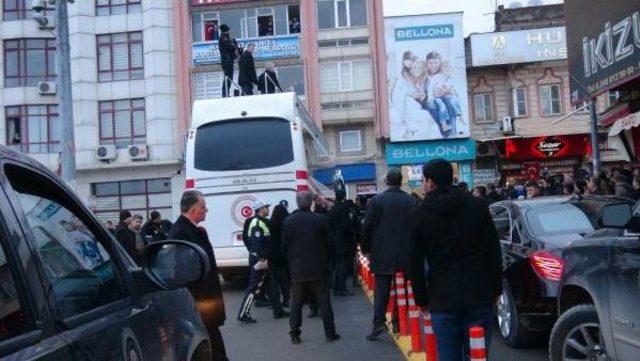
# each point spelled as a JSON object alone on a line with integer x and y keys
{"x": 65, "y": 99}
{"x": 594, "y": 139}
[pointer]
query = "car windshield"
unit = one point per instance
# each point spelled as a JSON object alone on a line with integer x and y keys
{"x": 243, "y": 144}
{"x": 561, "y": 218}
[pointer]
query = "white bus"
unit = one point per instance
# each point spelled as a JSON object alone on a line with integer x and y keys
{"x": 243, "y": 149}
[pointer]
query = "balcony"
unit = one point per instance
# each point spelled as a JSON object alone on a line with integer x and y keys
{"x": 266, "y": 48}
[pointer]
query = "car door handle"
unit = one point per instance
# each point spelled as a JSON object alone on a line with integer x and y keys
{"x": 137, "y": 310}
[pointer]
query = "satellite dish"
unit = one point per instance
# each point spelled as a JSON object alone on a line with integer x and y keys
{"x": 515, "y": 5}
{"x": 535, "y": 3}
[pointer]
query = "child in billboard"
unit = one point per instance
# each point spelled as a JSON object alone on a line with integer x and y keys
{"x": 441, "y": 97}
{"x": 405, "y": 111}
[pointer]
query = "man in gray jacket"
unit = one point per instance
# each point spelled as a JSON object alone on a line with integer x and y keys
{"x": 386, "y": 239}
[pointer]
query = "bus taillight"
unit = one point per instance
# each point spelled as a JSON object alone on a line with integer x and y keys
{"x": 302, "y": 187}
{"x": 302, "y": 174}
{"x": 190, "y": 183}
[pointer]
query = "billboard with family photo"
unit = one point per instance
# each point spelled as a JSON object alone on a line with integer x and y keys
{"x": 427, "y": 77}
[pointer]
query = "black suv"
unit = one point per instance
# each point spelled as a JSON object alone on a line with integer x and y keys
{"x": 69, "y": 291}
{"x": 599, "y": 299}
{"x": 533, "y": 234}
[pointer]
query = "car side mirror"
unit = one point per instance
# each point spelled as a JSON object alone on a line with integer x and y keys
{"x": 616, "y": 215}
{"x": 173, "y": 264}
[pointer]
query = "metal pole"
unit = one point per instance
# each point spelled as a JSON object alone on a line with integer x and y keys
{"x": 594, "y": 138}
{"x": 65, "y": 99}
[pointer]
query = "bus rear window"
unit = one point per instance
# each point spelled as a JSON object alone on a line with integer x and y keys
{"x": 243, "y": 144}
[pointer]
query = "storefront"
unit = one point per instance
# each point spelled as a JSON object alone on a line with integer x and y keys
{"x": 410, "y": 156}
{"x": 360, "y": 178}
{"x": 526, "y": 159}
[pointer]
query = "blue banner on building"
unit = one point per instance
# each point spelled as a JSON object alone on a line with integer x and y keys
{"x": 265, "y": 49}
{"x": 421, "y": 152}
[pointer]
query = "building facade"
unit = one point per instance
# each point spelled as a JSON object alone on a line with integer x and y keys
{"x": 128, "y": 148}
{"x": 520, "y": 103}
{"x": 330, "y": 51}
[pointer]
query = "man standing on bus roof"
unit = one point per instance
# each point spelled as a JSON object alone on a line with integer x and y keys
{"x": 258, "y": 242}
{"x": 228, "y": 53}
{"x": 247, "y": 76}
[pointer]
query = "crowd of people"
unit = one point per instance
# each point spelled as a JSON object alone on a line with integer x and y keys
{"x": 134, "y": 236}
{"x": 619, "y": 182}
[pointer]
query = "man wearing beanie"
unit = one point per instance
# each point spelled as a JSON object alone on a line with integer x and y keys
{"x": 386, "y": 238}
{"x": 454, "y": 233}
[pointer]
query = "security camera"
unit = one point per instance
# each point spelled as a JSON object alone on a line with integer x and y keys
{"x": 42, "y": 21}
{"x": 37, "y": 5}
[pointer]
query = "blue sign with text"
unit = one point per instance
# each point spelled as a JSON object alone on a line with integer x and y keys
{"x": 424, "y": 32}
{"x": 422, "y": 152}
{"x": 266, "y": 48}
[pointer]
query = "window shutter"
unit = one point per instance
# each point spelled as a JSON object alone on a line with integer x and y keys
{"x": 328, "y": 77}
{"x": 106, "y": 125}
{"x": 362, "y": 79}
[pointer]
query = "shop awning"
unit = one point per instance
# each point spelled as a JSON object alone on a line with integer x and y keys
{"x": 625, "y": 123}
{"x": 613, "y": 150}
{"x": 613, "y": 114}
{"x": 350, "y": 173}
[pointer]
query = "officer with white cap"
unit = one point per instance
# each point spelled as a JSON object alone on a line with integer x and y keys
{"x": 257, "y": 239}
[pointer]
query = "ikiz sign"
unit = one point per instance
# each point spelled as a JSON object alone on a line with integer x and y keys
{"x": 603, "y": 39}
{"x": 424, "y": 32}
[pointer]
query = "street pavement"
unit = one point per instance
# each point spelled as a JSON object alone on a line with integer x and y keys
{"x": 268, "y": 340}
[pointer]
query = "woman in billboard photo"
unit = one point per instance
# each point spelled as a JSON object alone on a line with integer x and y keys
{"x": 441, "y": 99}
{"x": 408, "y": 116}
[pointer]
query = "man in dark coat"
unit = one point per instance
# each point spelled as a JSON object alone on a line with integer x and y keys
{"x": 247, "y": 71}
{"x": 455, "y": 234}
{"x": 306, "y": 241}
{"x": 343, "y": 236}
{"x": 207, "y": 292}
{"x": 386, "y": 239}
{"x": 126, "y": 237}
{"x": 228, "y": 53}
{"x": 268, "y": 80}
{"x": 155, "y": 229}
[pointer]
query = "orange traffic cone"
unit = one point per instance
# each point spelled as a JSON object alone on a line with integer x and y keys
{"x": 392, "y": 300}
{"x": 402, "y": 304}
{"x": 476, "y": 341}
{"x": 414, "y": 321}
{"x": 430, "y": 349}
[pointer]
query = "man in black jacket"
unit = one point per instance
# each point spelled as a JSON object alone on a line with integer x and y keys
{"x": 228, "y": 52}
{"x": 455, "y": 234}
{"x": 306, "y": 241}
{"x": 268, "y": 80}
{"x": 247, "y": 71}
{"x": 155, "y": 229}
{"x": 207, "y": 292}
{"x": 386, "y": 239}
{"x": 343, "y": 236}
{"x": 126, "y": 237}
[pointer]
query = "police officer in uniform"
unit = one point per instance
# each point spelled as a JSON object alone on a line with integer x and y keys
{"x": 258, "y": 242}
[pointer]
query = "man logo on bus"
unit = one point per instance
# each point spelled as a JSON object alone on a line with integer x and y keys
{"x": 241, "y": 209}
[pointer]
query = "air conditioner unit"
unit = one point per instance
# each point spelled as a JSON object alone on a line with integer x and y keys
{"x": 138, "y": 152}
{"x": 507, "y": 125}
{"x": 45, "y": 21}
{"x": 47, "y": 88}
{"x": 106, "y": 152}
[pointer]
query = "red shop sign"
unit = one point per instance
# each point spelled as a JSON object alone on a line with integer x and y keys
{"x": 548, "y": 147}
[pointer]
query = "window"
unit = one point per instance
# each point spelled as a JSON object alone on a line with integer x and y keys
{"x": 502, "y": 221}
{"x": 350, "y": 141}
{"x": 28, "y": 61}
{"x": 21, "y": 9}
{"x": 342, "y": 42}
{"x": 519, "y": 96}
{"x": 13, "y": 318}
{"x": 550, "y": 99}
{"x": 118, "y": 7}
{"x": 293, "y": 15}
{"x": 341, "y": 13}
{"x": 122, "y": 122}
{"x": 120, "y": 56}
{"x": 561, "y": 219}
{"x": 483, "y": 106}
{"x": 345, "y": 76}
{"x": 208, "y": 85}
{"x": 612, "y": 97}
{"x": 138, "y": 196}
{"x": 266, "y": 26}
{"x": 210, "y": 24}
{"x": 243, "y": 144}
{"x": 81, "y": 274}
{"x": 33, "y": 128}
{"x": 291, "y": 78}
{"x": 358, "y": 104}
{"x": 584, "y": 107}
